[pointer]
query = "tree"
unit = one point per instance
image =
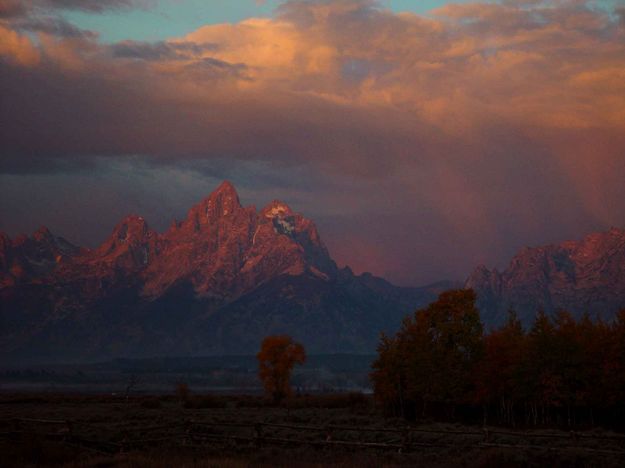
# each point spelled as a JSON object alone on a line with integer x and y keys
{"x": 389, "y": 376}
{"x": 561, "y": 370}
{"x": 497, "y": 379}
{"x": 614, "y": 367}
{"x": 432, "y": 357}
{"x": 276, "y": 359}
{"x": 541, "y": 383}
{"x": 182, "y": 392}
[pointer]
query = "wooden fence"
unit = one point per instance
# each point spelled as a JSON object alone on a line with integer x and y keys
{"x": 203, "y": 434}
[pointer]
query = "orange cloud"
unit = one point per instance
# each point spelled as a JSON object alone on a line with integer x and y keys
{"x": 17, "y": 48}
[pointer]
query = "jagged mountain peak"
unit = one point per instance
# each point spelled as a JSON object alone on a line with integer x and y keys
{"x": 221, "y": 248}
{"x": 224, "y": 192}
{"x": 224, "y": 199}
{"x": 276, "y": 209}
{"x": 222, "y": 202}
{"x": 480, "y": 274}
{"x": 5, "y": 240}
{"x": 226, "y": 187}
{"x": 42, "y": 234}
{"x": 587, "y": 275}
{"x": 132, "y": 228}
{"x": 20, "y": 240}
{"x": 129, "y": 248}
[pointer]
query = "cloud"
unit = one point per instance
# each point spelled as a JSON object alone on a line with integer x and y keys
{"x": 93, "y": 6}
{"x": 23, "y": 8}
{"x": 52, "y": 25}
{"x": 12, "y": 8}
{"x": 17, "y": 49}
{"x": 161, "y": 50}
{"x": 483, "y": 127}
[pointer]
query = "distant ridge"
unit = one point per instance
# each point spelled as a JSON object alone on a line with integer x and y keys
{"x": 577, "y": 276}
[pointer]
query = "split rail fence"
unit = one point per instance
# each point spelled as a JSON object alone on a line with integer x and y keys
{"x": 120, "y": 438}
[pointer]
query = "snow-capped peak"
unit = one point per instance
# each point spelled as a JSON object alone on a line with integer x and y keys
{"x": 277, "y": 209}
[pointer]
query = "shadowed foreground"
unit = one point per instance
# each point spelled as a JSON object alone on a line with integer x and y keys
{"x": 333, "y": 430}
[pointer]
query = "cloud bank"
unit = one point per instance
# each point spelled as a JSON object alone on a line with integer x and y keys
{"x": 422, "y": 145}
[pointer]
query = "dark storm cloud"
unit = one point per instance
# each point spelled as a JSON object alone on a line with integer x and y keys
{"x": 161, "y": 50}
{"x": 13, "y": 8}
{"x": 20, "y": 8}
{"x": 621, "y": 14}
{"x": 94, "y": 6}
{"x": 74, "y": 116}
{"x": 56, "y": 26}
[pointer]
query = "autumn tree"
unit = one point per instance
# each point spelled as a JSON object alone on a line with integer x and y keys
{"x": 497, "y": 375}
{"x": 541, "y": 384}
{"x": 389, "y": 375}
{"x": 573, "y": 367}
{"x": 432, "y": 357}
{"x": 614, "y": 364}
{"x": 560, "y": 370}
{"x": 276, "y": 359}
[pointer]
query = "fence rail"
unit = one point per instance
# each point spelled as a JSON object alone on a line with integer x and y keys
{"x": 193, "y": 434}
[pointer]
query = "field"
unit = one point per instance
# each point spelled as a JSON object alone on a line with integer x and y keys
{"x": 322, "y": 430}
{"x": 216, "y": 374}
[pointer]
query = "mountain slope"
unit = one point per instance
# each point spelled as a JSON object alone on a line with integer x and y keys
{"x": 578, "y": 276}
{"x": 216, "y": 282}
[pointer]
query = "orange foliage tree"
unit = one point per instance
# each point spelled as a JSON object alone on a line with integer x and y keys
{"x": 497, "y": 382}
{"x": 432, "y": 357}
{"x": 557, "y": 371}
{"x": 276, "y": 359}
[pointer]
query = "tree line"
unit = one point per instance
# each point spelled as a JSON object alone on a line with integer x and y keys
{"x": 441, "y": 364}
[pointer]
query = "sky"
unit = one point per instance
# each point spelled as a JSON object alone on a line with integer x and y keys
{"x": 423, "y": 138}
{"x": 159, "y": 20}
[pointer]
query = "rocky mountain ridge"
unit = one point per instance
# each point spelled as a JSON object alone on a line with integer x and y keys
{"x": 220, "y": 280}
{"x": 216, "y": 282}
{"x": 586, "y": 276}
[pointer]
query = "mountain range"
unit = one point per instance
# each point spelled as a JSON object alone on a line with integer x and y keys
{"x": 226, "y": 276}
{"x": 215, "y": 283}
{"x": 586, "y": 276}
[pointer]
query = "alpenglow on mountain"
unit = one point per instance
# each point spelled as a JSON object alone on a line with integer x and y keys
{"x": 215, "y": 283}
{"x": 586, "y": 276}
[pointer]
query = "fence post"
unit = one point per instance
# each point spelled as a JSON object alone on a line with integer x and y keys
{"x": 405, "y": 440}
{"x": 258, "y": 434}
{"x": 16, "y": 426}
{"x": 70, "y": 429}
{"x": 122, "y": 445}
{"x": 186, "y": 429}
